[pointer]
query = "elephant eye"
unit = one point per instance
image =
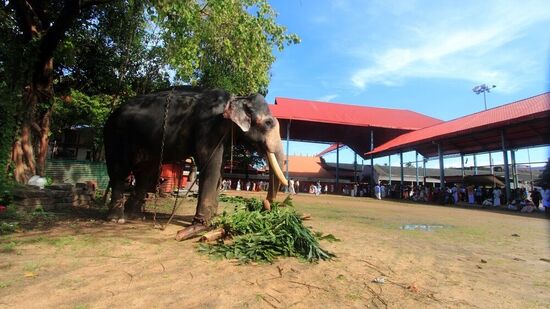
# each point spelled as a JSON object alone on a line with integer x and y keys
{"x": 268, "y": 123}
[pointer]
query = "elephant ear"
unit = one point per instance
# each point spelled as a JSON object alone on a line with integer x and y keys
{"x": 236, "y": 111}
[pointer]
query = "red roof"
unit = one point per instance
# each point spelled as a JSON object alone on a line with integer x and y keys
{"x": 354, "y": 115}
{"x": 526, "y": 123}
{"x": 330, "y": 148}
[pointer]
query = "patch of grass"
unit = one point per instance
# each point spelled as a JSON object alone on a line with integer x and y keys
{"x": 9, "y": 247}
{"x": 545, "y": 284}
{"x": 81, "y": 306}
{"x": 125, "y": 241}
{"x": 31, "y": 267}
{"x": 60, "y": 242}
{"x": 8, "y": 227}
{"x": 354, "y": 296}
{"x": 4, "y": 284}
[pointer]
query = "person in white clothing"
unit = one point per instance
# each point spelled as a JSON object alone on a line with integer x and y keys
{"x": 454, "y": 190}
{"x": 496, "y": 197}
{"x": 377, "y": 192}
{"x": 291, "y": 186}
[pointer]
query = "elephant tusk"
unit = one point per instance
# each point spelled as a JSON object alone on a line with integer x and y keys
{"x": 276, "y": 168}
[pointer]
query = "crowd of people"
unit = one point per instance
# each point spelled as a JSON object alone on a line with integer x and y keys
{"x": 522, "y": 200}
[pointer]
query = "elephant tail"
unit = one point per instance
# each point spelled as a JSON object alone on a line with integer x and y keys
{"x": 109, "y": 186}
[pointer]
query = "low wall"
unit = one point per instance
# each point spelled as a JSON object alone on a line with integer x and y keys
{"x": 54, "y": 197}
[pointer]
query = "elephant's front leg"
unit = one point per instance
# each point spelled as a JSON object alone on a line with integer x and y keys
{"x": 209, "y": 164}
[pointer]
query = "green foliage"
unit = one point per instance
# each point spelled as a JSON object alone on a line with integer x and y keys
{"x": 88, "y": 112}
{"x": 10, "y": 213}
{"x": 7, "y": 134}
{"x": 222, "y": 43}
{"x": 114, "y": 52}
{"x": 262, "y": 236}
{"x": 8, "y": 227}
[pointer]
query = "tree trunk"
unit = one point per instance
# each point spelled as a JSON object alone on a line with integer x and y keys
{"x": 31, "y": 144}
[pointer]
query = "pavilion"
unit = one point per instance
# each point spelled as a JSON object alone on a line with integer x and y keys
{"x": 524, "y": 123}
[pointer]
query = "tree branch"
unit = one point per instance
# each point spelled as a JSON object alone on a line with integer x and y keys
{"x": 89, "y": 3}
{"x": 66, "y": 17}
{"x": 23, "y": 11}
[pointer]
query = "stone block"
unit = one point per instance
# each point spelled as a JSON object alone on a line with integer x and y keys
{"x": 28, "y": 192}
{"x": 60, "y": 186}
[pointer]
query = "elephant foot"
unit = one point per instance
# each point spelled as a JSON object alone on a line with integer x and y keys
{"x": 191, "y": 231}
{"x": 135, "y": 215}
{"x": 117, "y": 216}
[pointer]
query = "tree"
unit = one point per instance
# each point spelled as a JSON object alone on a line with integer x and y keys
{"x": 120, "y": 48}
{"x": 113, "y": 55}
{"x": 222, "y": 43}
{"x": 33, "y": 31}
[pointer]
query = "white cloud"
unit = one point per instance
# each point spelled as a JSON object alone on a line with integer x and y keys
{"x": 457, "y": 46}
{"x": 327, "y": 98}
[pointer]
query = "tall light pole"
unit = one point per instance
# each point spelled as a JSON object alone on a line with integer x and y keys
{"x": 483, "y": 88}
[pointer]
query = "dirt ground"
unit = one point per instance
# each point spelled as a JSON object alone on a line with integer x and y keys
{"x": 471, "y": 258}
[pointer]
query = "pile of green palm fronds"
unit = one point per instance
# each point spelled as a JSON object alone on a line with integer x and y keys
{"x": 254, "y": 235}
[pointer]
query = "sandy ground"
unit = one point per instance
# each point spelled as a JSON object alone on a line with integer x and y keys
{"x": 473, "y": 258}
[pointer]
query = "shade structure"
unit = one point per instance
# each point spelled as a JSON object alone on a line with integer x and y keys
{"x": 315, "y": 121}
{"x": 484, "y": 180}
{"x": 524, "y": 123}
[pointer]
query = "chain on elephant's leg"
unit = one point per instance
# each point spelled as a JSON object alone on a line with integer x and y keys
{"x": 117, "y": 212}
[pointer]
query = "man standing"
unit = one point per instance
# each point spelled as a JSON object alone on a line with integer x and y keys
{"x": 546, "y": 201}
{"x": 535, "y": 196}
{"x": 377, "y": 191}
{"x": 291, "y": 186}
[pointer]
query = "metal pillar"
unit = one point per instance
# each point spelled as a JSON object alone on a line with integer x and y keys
{"x": 372, "y": 160}
{"x": 491, "y": 163}
{"x": 506, "y": 167}
{"x": 337, "y": 167}
{"x": 416, "y": 164}
{"x": 462, "y": 165}
{"x": 441, "y": 167}
{"x": 402, "y": 174}
{"x": 389, "y": 163}
{"x": 530, "y": 168}
{"x": 514, "y": 168}
{"x": 287, "y": 152}
{"x": 424, "y": 161}
{"x": 475, "y": 164}
{"x": 355, "y": 168}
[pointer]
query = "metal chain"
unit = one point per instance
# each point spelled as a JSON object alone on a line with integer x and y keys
{"x": 167, "y": 107}
{"x": 194, "y": 182}
{"x": 161, "y": 156}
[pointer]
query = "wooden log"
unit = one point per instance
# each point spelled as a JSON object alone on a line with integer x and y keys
{"x": 213, "y": 235}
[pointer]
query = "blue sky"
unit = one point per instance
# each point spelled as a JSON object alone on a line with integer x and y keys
{"x": 424, "y": 56}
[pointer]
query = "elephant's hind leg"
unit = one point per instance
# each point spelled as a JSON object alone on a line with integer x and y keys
{"x": 146, "y": 181}
{"x": 116, "y": 206}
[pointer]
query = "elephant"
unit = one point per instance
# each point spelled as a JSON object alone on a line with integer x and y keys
{"x": 197, "y": 124}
